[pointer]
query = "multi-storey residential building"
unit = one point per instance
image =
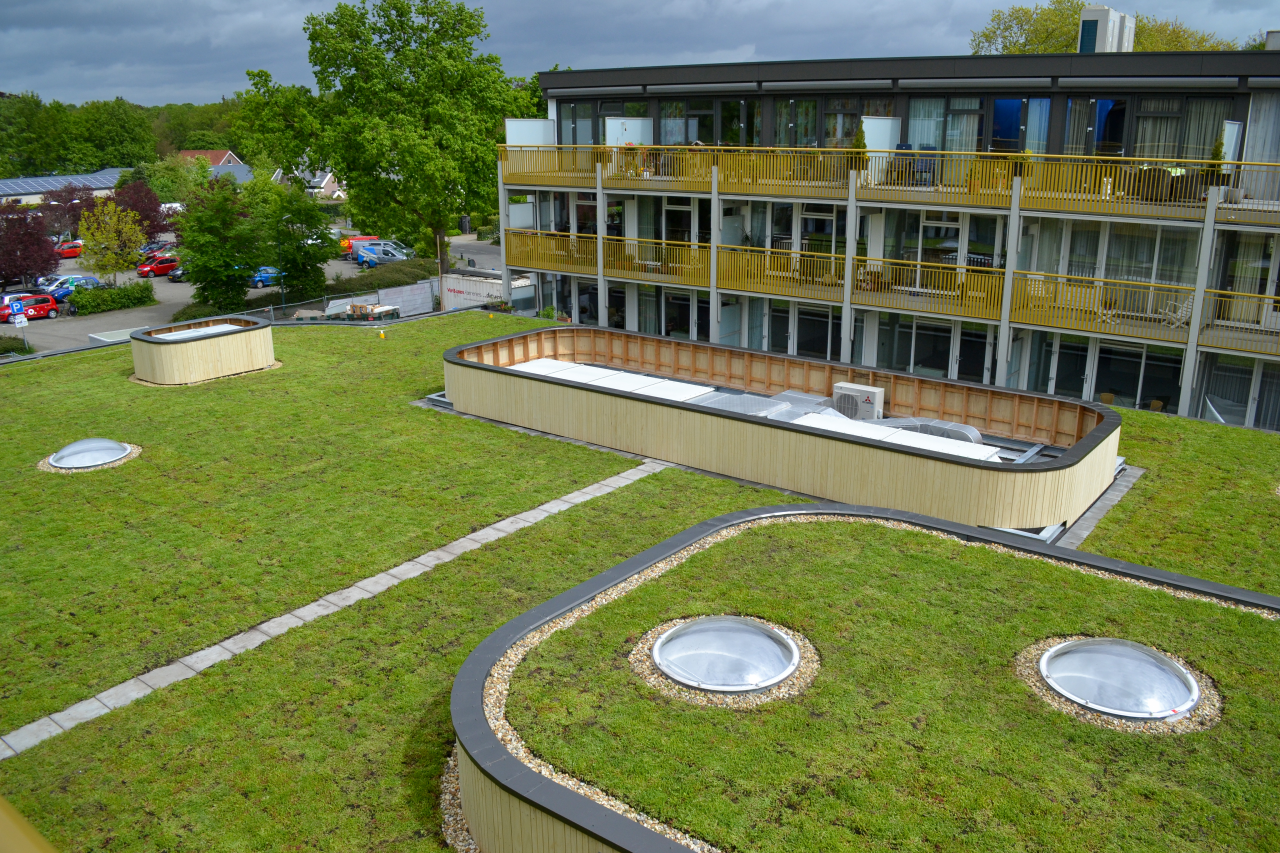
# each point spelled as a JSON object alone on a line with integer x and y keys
{"x": 1100, "y": 226}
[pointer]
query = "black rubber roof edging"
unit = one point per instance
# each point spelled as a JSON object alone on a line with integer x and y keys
{"x": 466, "y": 703}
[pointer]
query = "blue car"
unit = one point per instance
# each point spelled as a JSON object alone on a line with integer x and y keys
{"x": 66, "y": 285}
{"x": 265, "y": 277}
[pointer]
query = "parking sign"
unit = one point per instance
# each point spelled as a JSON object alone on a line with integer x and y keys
{"x": 19, "y": 320}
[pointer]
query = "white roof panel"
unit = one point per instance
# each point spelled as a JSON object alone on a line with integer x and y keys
{"x": 203, "y": 331}
{"x": 544, "y": 366}
{"x": 627, "y": 381}
{"x": 678, "y": 392}
{"x": 949, "y": 446}
{"x": 846, "y": 426}
{"x": 585, "y": 373}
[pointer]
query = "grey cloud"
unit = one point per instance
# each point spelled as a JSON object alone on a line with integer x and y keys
{"x": 76, "y": 50}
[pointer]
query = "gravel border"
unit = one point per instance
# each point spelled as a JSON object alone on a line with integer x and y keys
{"x": 456, "y": 832}
{"x": 642, "y": 665}
{"x": 1205, "y": 715}
{"x": 133, "y": 377}
{"x": 497, "y": 683}
{"x": 48, "y": 468}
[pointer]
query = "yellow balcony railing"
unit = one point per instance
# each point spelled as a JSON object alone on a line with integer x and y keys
{"x": 547, "y": 250}
{"x": 654, "y": 260}
{"x": 1250, "y": 193}
{"x": 1241, "y": 321}
{"x": 927, "y": 288}
{"x": 802, "y": 275}
{"x": 1135, "y": 309}
{"x": 550, "y": 165}
{"x": 936, "y": 177}
{"x": 658, "y": 169}
{"x": 799, "y": 173}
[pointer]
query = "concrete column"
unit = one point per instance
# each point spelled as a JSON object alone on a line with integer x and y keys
{"x": 1191, "y": 356}
{"x": 1013, "y": 236}
{"x": 713, "y": 334}
{"x": 602, "y": 289}
{"x": 504, "y": 222}
{"x": 850, "y": 250}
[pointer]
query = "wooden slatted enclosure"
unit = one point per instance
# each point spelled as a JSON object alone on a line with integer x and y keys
{"x": 184, "y": 361}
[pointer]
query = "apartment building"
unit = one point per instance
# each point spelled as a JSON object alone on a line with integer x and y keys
{"x": 1098, "y": 226}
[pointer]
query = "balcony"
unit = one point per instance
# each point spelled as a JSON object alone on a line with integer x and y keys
{"x": 1244, "y": 322}
{"x": 1160, "y": 312}
{"x": 545, "y": 250}
{"x": 1162, "y": 189}
{"x": 685, "y": 264}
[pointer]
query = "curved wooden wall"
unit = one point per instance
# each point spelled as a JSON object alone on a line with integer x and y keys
{"x": 200, "y": 359}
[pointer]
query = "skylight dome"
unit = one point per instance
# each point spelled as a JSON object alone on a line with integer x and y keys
{"x": 89, "y": 453}
{"x": 726, "y": 654}
{"x": 1120, "y": 678}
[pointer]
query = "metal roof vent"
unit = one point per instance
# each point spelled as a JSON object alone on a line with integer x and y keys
{"x": 89, "y": 453}
{"x": 1120, "y": 678}
{"x": 726, "y": 654}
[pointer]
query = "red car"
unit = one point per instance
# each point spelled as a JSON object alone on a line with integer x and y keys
{"x": 69, "y": 250}
{"x": 32, "y": 306}
{"x": 162, "y": 265}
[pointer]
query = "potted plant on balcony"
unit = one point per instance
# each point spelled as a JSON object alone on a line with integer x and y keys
{"x": 1216, "y": 174}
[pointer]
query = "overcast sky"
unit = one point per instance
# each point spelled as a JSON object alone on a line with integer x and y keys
{"x": 198, "y": 50}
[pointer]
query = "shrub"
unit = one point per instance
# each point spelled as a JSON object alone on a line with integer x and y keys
{"x": 14, "y": 345}
{"x": 394, "y": 275}
{"x": 101, "y": 299}
{"x": 194, "y": 311}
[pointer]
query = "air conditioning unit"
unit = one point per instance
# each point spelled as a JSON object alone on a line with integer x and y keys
{"x": 858, "y": 402}
{"x": 1104, "y": 30}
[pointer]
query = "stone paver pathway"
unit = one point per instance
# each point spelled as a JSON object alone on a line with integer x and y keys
{"x": 135, "y": 688}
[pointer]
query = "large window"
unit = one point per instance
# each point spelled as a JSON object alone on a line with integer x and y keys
{"x": 686, "y": 122}
{"x": 576, "y": 121}
{"x": 926, "y": 123}
{"x": 1242, "y": 262}
{"x": 740, "y": 123}
{"x": 795, "y": 123}
{"x": 619, "y": 109}
{"x": 1020, "y": 124}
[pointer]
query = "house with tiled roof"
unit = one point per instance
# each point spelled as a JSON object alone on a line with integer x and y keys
{"x": 216, "y": 157}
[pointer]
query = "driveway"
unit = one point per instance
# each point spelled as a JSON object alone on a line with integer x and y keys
{"x": 467, "y": 248}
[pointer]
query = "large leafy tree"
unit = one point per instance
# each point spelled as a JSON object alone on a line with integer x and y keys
{"x": 62, "y": 208}
{"x": 222, "y": 243}
{"x": 25, "y": 251}
{"x": 300, "y": 228}
{"x": 408, "y": 113}
{"x": 171, "y": 179}
{"x": 1053, "y": 28}
{"x": 142, "y": 200}
{"x": 112, "y": 236}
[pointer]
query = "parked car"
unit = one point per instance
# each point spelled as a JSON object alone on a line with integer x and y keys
{"x": 162, "y": 265}
{"x": 351, "y": 245}
{"x": 9, "y": 297}
{"x": 395, "y": 244}
{"x": 178, "y": 274}
{"x": 70, "y": 250}
{"x": 33, "y": 306}
{"x": 372, "y": 257}
{"x": 265, "y": 277}
{"x": 154, "y": 250}
{"x": 66, "y": 285}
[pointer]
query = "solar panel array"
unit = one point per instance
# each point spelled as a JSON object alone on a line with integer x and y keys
{"x": 104, "y": 180}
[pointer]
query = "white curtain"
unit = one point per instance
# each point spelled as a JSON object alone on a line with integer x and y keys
{"x": 1262, "y": 139}
{"x": 1078, "y": 116}
{"x": 1131, "y": 252}
{"x": 1204, "y": 126}
{"x": 925, "y": 122}
{"x": 1179, "y": 255}
{"x": 1038, "y": 125}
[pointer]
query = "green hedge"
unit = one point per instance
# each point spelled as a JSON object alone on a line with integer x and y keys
{"x": 194, "y": 311}
{"x": 113, "y": 298}
{"x": 14, "y": 345}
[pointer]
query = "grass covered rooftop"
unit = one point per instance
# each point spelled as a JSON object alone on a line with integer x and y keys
{"x": 916, "y": 734}
{"x": 257, "y": 494}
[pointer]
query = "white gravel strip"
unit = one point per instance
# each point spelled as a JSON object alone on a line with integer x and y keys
{"x": 27, "y": 736}
{"x": 498, "y": 684}
{"x": 46, "y": 466}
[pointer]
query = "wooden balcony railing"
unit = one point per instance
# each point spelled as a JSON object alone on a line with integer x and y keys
{"x": 1241, "y": 321}
{"x": 1105, "y": 186}
{"x": 548, "y": 250}
{"x": 1135, "y": 309}
{"x": 654, "y": 260}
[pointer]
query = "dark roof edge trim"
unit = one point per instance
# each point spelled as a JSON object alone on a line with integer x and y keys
{"x": 1264, "y": 82}
{"x": 143, "y": 336}
{"x": 1073, "y": 455}
{"x": 662, "y": 89}
{"x": 1150, "y": 82}
{"x": 466, "y": 702}
{"x": 803, "y": 85}
{"x": 596, "y": 90}
{"x": 978, "y": 83}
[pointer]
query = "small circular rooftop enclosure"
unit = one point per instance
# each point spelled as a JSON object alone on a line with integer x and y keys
{"x": 726, "y": 654}
{"x": 89, "y": 453}
{"x": 1120, "y": 678}
{"x": 200, "y": 350}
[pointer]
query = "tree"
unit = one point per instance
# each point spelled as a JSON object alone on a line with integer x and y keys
{"x": 25, "y": 251}
{"x": 111, "y": 133}
{"x": 33, "y": 136}
{"x": 221, "y": 244}
{"x": 142, "y": 200}
{"x": 303, "y": 243}
{"x": 112, "y": 237}
{"x": 172, "y": 179}
{"x": 204, "y": 140}
{"x": 408, "y": 114}
{"x": 1054, "y": 28}
{"x": 62, "y": 208}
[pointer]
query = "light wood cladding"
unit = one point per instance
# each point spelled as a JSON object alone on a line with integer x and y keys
{"x": 201, "y": 359}
{"x": 994, "y": 411}
{"x": 780, "y": 455}
{"x": 503, "y": 823}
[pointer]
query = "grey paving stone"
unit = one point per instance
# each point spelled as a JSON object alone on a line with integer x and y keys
{"x": 31, "y": 734}
{"x": 533, "y": 516}
{"x": 616, "y": 482}
{"x": 81, "y": 712}
{"x": 5, "y": 751}
{"x": 378, "y": 583}
{"x": 165, "y": 675}
{"x": 411, "y": 569}
{"x": 123, "y": 694}
{"x": 347, "y": 597}
{"x": 552, "y": 507}
{"x": 512, "y": 524}
{"x": 575, "y": 498}
{"x": 653, "y": 466}
{"x": 205, "y": 658}
{"x": 250, "y": 639}
{"x": 632, "y": 475}
{"x": 315, "y": 610}
{"x": 461, "y": 546}
{"x": 277, "y": 626}
{"x": 487, "y": 534}
{"x": 434, "y": 558}
{"x": 597, "y": 490}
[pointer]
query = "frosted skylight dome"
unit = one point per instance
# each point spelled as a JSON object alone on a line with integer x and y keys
{"x": 89, "y": 453}
{"x": 1120, "y": 678}
{"x": 726, "y": 654}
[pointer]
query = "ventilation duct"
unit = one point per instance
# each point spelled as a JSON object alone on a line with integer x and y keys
{"x": 931, "y": 426}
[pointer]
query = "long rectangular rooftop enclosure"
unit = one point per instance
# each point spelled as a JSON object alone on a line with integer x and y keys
{"x": 1042, "y": 461}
